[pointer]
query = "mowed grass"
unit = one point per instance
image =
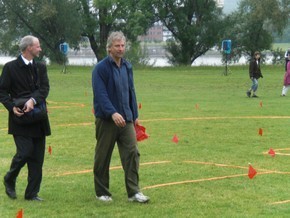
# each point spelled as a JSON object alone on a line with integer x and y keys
{"x": 203, "y": 175}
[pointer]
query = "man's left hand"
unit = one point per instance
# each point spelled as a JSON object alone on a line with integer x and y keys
{"x": 29, "y": 106}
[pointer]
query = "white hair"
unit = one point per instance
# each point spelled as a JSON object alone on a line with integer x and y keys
{"x": 118, "y": 35}
{"x": 26, "y": 41}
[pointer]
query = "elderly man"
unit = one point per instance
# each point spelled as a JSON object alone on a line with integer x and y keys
{"x": 24, "y": 78}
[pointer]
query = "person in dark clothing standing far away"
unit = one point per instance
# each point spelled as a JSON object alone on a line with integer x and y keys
{"x": 26, "y": 79}
{"x": 255, "y": 74}
{"x": 116, "y": 114}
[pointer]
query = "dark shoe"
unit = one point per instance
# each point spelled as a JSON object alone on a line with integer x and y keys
{"x": 36, "y": 198}
{"x": 10, "y": 190}
{"x": 249, "y": 94}
{"x": 255, "y": 96}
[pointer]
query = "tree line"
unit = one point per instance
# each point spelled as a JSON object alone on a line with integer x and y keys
{"x": 196, "y": 25}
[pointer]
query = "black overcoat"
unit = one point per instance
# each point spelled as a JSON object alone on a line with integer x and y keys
{"x": 16, "y": 81}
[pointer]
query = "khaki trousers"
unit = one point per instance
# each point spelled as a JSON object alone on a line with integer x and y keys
{"x": 107, "y": 134}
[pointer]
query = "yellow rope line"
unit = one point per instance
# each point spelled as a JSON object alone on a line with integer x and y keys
{"x": 199, "y": 180}
{"x": 111, "y": 168}
{"x": 280, "y": 202}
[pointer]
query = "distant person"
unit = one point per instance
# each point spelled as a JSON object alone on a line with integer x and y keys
{"x": 26, "y": 79}
{"x": 255, "y": 74}
{"x": 286, "y": 85}
{"x": 116, "y": 114}
{"x": 286, "y": 58}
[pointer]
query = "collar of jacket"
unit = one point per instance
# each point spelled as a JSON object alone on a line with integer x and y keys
{"x": 21, "y": 62}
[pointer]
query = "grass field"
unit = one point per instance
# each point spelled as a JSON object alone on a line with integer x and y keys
{"x": 203, "y": 175}
{"x": 283, "y": 46}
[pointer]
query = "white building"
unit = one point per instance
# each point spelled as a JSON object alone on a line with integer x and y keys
{"x": 220, "y": 3}
{"x": 156, "y": 33}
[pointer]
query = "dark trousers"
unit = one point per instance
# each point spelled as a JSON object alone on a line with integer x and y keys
{"x": 29, "y": 151}
{"x": 107, "y": 134}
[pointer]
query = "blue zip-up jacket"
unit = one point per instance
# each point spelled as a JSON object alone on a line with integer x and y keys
{"x": 107, "y": 100}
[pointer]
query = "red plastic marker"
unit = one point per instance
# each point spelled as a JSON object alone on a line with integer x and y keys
{"x": 175, "y": 139}
{"x": 260, "y": 131}
{"x": 19, "y": 214}
{"x": 271, "y": 152}
{"x": 252, "y": 172}
{"x": 49, "y": 150}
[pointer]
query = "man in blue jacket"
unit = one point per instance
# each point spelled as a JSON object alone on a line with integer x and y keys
{"x": 116, "y": 113}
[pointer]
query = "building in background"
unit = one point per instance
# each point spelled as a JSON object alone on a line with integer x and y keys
{"x": 166, "y": 34}
{"x": 220, "y": 3}
{"x": 159, "y": 33}
{"x": 154, "y": 34}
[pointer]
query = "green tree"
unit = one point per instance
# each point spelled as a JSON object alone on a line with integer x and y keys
{"x": 52, "y": 21}
{"x": 55, "y": 21}
{"x": 130, "y": 16}
{"x": 253, "y": 25}
{"x": 196, "y": 26}
{"x": 285, "y": 38}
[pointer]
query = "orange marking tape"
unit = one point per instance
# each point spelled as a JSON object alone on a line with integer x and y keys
{"x": 111, "y": 168}
{"x": 282, "y": 149}
{"x": 282, "y": 154}
{"x": 280, "y": 202}
{"x": 198, "y": 180}
{"x": 176, "y": 119}
{"x": 240, "y": 167}
{"x": 189, "y": 118}
{"x": 217, "y": 118}
{"x": 76, "y": 124}
{"x": 56, "y": 107}
{"x": 68, "y": 103}
{"x": 213, "y": 178}
{"x": 215, "y": 164}
{"x": 279, "y": 153}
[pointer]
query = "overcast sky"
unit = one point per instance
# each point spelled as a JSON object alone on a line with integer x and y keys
{"x": 230, "y": 5}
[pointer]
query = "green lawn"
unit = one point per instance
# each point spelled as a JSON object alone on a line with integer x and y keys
{"x": 283, "y": 46}
{"x": 203, "y": 175}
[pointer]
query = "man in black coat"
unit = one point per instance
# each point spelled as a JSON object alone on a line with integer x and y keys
{"x": 20, "y": 78}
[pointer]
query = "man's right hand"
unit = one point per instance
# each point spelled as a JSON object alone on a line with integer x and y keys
{"x": 118, "y": 120}
{"x": 17, "y": 111}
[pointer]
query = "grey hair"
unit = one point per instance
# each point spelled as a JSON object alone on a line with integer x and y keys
{"x": 118, "y": 35}
{"x": 26, "y": 41}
